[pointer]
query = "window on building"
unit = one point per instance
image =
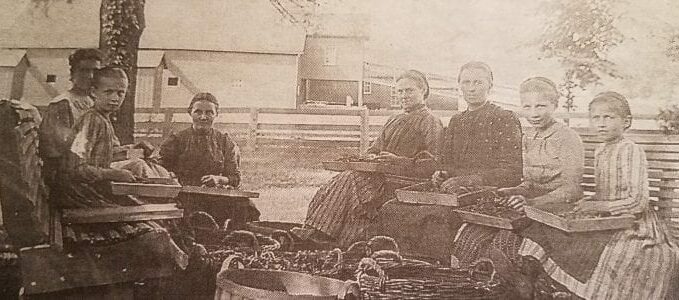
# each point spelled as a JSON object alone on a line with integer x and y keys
{"x": 367, "y": 88}
{"x": 51, "y": 78}
{"x": 237, "y": 83}
{"x": 173, "y": 81}
{"x": 394, "y": 99}
{"x": 330, "y": 56}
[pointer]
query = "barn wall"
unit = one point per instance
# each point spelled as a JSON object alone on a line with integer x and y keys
{"x": 332, "y": 91}
{"x": 41, "y": 63}
{"x": 17, "y": 91}
{"x": 6, "y": 76}
{"x": 347, "y": 66}
{"x": 144, "y": 95}
{"x": 236, "y": 79}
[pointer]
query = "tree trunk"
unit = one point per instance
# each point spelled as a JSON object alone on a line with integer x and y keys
{"x": 121, "y": 25}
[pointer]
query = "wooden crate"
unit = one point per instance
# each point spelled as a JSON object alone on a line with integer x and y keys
{"x": 422, "y": 169}
{"x": 417, "y": 194}
{"x": 146, "y": 189}
{"x": 189, "y": 189}
{"x": 579, "y": 225}
{"x": 128, "y": 154}
{"x": 493, "y": 221}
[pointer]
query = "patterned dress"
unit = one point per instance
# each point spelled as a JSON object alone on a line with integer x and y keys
{"x": 486, "y": 143}
{"x": 553, "y": 161}
{"x": 637, "y": 263}
{"x": 344, "y": 207}
{"x": 83, "y": 184}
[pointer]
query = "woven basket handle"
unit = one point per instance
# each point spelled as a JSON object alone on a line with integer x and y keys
{"x": 368, "y": 264}
{"x": 237, "y": 259}
{"x": 351, "y": 290}
{"x": 387, "y": 254}
{"x": 479, "y": 262}
{"x": 382, "y": 242}
{"x": 271, "y": 243}
{"x": 338, "y": 253}
{"x": 285, "y": 239}
{"x": 209, "y": 217}
{"x": 246, "y": 237}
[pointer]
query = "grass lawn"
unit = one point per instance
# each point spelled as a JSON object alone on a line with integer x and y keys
{"x": 286, "y": 178}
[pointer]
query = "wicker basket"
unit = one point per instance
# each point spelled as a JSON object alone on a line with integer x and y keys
{"x": 427, "y": 282}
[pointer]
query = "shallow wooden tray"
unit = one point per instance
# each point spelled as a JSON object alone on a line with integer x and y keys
{"x": 146, "y": 189}
{"x": 190, "y": 189}
{"x": 493, "y": 221}
{"x": 128, "y": 154}
{"x": 422, "y": 169}
{"x": 414, "y": 194}
{"x": 579, "y": 225}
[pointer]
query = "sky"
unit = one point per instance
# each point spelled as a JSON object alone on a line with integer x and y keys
{"x": 438, "y": 36}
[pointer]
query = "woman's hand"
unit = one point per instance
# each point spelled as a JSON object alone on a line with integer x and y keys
{"x": 439, "y": 177}
{"x": 368, "y": 156}
{"x": 214, "y": 180}
{"x": 387, "y": 157}
{"x": 117, "y": 175}
{"x": 453, "y": 183}
{"x": 511, "y": 191}
{"x": 517, "y": 202}
{"x": 147, "y": 147}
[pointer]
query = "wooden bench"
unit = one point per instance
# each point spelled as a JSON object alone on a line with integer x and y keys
{"x": 441, "y": 224}
{"x": 662, "y": 154}
{"x": 46, "y": 268}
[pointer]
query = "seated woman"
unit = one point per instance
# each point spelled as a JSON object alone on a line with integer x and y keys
{"x": 203, "y": 156}
{"x": 635, "y": 263}
{"x": 345, "y": 206}
{"x": 86, "y": 171}
{"x": 553, "y": 159}
{"x": 482, "y": 145}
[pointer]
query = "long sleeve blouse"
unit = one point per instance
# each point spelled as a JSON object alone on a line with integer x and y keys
{"x": 485, "y": 142}
{"x": 191, "y": 154}
{"x": 91, "y": 147}
{"x": 553, "y": 160}
{"x": 409, "y": 133}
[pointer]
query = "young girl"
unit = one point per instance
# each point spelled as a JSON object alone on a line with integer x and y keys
{"x": 636, "y": 263}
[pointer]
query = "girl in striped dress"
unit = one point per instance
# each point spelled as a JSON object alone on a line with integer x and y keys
{"x": 345, "y": 206}
{"x": 637, "y": 263}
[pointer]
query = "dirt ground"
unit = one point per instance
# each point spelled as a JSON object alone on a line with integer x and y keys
{"x": 286, "y": 178}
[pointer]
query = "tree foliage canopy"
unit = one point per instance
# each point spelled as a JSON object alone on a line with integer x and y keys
{"x": 580, "y": 35}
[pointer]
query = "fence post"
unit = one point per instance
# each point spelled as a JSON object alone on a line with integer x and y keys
{"x": 365, "y": 130}
{"x": 252, "y": 132}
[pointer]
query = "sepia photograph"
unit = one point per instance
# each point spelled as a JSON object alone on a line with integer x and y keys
{"x": 339, "y": 149}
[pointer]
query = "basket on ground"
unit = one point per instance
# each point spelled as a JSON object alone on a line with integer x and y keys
{"x": 428, "y": 282}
